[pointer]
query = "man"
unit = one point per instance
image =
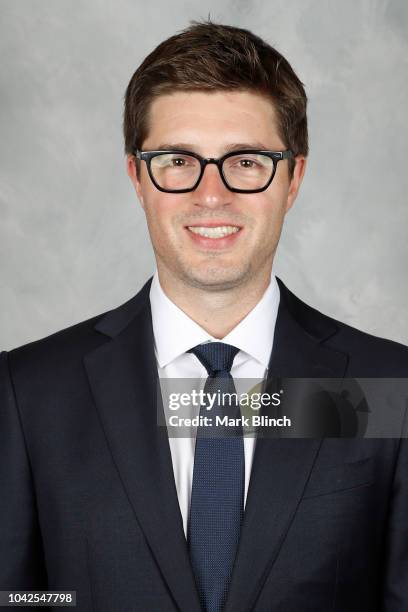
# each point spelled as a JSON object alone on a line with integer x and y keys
{"x": 96, "y": 497}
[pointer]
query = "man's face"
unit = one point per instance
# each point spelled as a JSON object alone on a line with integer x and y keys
{"x": 210, "y": 124}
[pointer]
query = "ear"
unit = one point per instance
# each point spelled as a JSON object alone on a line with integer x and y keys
{"x": 132, "y": 173}
{"x": 296, "y": 180}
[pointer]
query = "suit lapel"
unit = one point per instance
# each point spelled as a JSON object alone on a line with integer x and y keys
{"x": 281, "y": 467}
{"x": 123, "y": 378}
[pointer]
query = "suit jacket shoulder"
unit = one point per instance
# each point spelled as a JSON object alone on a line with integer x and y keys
{"x": 369, "y": 355}
{"x": 71, "y": 343}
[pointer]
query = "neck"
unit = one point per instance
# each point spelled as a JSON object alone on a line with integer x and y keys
{"x": 218, "y": 312}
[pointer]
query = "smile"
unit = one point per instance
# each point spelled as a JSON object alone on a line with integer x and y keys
{"x": 214, "y": 232}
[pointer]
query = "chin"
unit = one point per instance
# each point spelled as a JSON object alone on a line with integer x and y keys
{"x": 216, "y": 278}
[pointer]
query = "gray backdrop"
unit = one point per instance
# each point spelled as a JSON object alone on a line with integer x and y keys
{"x": 73, "y": 238}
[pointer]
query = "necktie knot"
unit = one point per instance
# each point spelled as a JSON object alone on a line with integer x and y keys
{"x": 215, "y": 356}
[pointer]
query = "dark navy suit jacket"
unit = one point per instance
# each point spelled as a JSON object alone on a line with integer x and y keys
{"x": 87, "y": 494}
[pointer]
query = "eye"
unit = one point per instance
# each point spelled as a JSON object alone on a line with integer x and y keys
{"x": 182, "y": 161}
{"x": 179, "y": 161}
{"x": 255, "y": 162}
{"x": 247, "y": 163}
{"x": 243, "y": 163}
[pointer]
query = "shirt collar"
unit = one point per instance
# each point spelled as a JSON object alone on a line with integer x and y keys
{"x": 175, "y": 332}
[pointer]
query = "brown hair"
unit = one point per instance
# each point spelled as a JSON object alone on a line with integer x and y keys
{"x": 208, "y": 56}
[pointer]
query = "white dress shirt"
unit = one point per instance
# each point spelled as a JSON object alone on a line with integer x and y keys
{"x": 175, "y": 333}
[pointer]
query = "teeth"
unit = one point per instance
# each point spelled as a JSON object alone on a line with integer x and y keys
{"x": 215, "y": 232}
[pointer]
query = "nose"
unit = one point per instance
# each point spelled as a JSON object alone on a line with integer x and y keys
{"x": 211, "y": 191}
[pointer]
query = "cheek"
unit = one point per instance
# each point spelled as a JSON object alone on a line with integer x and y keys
{"x": 160, "y": 212}
{"x": 268, "y": 211}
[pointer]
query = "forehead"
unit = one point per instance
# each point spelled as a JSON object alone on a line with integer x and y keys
{"x": 211, "y": 118}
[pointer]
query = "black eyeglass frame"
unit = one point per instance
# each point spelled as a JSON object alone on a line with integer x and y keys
{"x": 276, "y": 156}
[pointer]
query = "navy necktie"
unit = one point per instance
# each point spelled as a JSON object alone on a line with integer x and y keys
{"x": 217, "y": 496}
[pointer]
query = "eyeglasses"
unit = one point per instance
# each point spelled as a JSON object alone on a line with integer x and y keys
{"x": 179, "y": 171}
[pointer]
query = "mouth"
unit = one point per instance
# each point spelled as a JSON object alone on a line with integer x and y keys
{"x": 214, "y": 232}
{"x": 215, "y": 236}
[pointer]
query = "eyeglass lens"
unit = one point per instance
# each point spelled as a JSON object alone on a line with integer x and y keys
{"x": 242, "y": 171}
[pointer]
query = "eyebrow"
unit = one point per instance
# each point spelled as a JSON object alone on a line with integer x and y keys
{"x": 227, "y": 148}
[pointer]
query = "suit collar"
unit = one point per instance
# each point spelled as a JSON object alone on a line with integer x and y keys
{"x": 117, "y": 320}
{"x": 301, "y": 333}
{"x": 314, "y": 323}
{"x": 302, "y": 341}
